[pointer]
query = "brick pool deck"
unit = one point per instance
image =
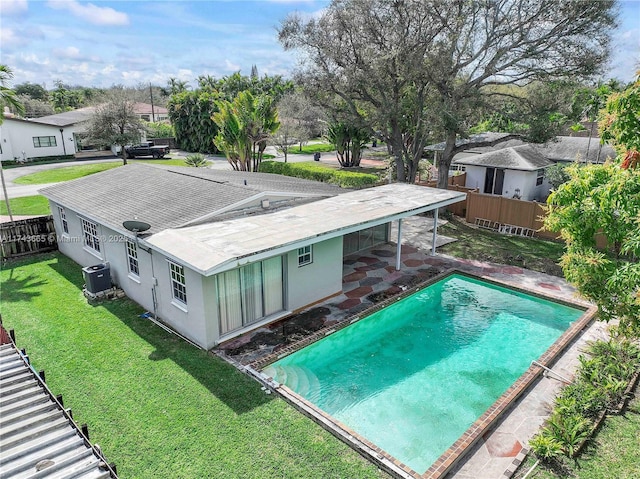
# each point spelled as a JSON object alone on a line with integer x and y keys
{"x": 496, "y": 443}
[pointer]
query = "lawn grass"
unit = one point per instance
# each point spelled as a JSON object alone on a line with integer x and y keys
{"x": 613, "y": 452}
{"x": 157, "y": 406}
{"x": 485, "y": 245}
{"x": 26, "y": 205}
{"x": 311, "y": 148}
{"x": 67, "y": 173}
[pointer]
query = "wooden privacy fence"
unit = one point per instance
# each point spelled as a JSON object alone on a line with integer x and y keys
{"x": 28, "y": 236}
{"x": 499, "y": 210}
{"x": 456, "y": 183}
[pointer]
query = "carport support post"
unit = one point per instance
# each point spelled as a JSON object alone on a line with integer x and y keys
{"x": 435, "y": 232}
{"x": 399, "y": 244}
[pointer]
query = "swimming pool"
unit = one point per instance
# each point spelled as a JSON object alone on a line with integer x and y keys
{"x": 412, "y": 377}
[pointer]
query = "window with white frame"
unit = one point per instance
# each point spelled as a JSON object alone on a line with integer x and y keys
{"x": 42, "y": 141}
{"x": 63, "y": 220}
{"x": 178, "y": 285}
{"x": 305, "y": 255}
{"x": 90, "y": 235}
{"x": 540, "y": 177}
{"x": 132, "y": 258}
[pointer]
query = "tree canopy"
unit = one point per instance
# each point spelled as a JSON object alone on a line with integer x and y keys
{"x": 8, "y": 96}
{"x": 423, "y": 69}
{"x": 604, "y": 201}
{"x": 116, "y": 123}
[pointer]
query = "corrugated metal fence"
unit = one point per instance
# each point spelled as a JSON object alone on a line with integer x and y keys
{"x": 28, "y": 236}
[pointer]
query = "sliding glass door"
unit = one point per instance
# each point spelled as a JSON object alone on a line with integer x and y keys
{"x": 250, "y": 293}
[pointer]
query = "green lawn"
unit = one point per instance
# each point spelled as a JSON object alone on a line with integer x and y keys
{"x": 613, "y": 452}
{"x": 67, "y": 173}
{"x": 26, "y": 205}
{"x": 484, "y": 245}
{"x": 157, "y": 406}
{"x": 312, "y": 148}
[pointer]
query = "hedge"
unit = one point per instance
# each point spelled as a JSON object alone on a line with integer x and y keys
{"x": 311, "y": 171}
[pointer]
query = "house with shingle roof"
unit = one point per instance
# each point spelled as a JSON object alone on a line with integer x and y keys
{"x": 225, "y": 252}
{"x": 514, "y": 172}
{"x": 55, "y": 135}
{"x": 516, "y": 169}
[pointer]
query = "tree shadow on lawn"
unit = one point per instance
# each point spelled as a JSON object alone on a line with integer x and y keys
{"x": 235, "y": 389}
{"x": 17, "y": 288}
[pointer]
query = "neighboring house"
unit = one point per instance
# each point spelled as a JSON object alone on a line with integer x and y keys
{"x": 516, "y": 172}
{"x": 519, "y": 170}
{"x": 226, "y": 251}
{"x": 52, "y": 135}
{"x": 56, "y": 135}
{"x": 149, "y": 112}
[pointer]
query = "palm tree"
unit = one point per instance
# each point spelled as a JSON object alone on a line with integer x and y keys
{"x": 8, "y": 97}
{"x": 244, "y": 126}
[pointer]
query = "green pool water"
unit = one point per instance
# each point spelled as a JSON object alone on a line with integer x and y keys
{"x": 414, "y": 376}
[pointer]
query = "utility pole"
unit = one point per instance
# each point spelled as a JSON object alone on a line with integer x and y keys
{"x": 153, "y": 114}
{"x": 4, "y": 190}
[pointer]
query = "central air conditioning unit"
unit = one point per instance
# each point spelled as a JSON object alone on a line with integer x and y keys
{"x": 97, "y": 278}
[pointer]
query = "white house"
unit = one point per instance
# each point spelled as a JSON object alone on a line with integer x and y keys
{"x": 53, "y": 135}
{"x": 517, "y": 172}
{"x": 226, "y": 251}
{"x": 56, "y": 135}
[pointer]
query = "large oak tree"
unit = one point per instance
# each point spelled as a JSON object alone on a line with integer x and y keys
{"x": 425, "y": 68}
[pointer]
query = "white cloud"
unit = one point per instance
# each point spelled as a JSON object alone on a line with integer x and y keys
{"x": 232, "y": 67}
{"x": 91, "y": 13}
{"x": 13, "y": 7}
{"x": 69, "y": 52}
{"x": 8, "y": 37}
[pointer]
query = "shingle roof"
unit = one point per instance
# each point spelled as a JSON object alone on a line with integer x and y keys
{"x": 67, "y": 118}
{"x": 38, "y": 440}
{"x": 169, "y": 197}
{"x": 572, "y": 148}
{"x": 486, "y": 136}
{"x": 523, "y": 157}
{"x": 561, "y": 148}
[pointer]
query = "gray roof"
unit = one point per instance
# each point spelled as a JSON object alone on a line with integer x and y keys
{"x": 67, "y": 118}
{"x": 486, "y": 136}
{"x": 173, "y": 196}
{"x": 38, "y": 440}
{"x": 572, "y": 148}
{"x": 561, "y": 148}
{"x": 523, "y": 157}
{"x": 211, "y": 249}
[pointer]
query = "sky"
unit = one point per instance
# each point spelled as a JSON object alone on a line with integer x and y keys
{"x": 105, "y": 43}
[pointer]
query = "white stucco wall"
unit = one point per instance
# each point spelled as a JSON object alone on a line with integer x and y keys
{"x": 17, "y": 136}
{"x": 513, "y": 179}
{"x": 320, "y": 279}
{"x": 197, "y": 321}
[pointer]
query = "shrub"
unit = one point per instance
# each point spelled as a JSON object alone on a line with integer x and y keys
{"x": 310, "y": 171}
{"x": 196, "y": 160}
{"x": 545, "y": 447}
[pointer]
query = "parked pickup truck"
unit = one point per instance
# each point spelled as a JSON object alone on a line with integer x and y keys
{"x": 146, "y": 149}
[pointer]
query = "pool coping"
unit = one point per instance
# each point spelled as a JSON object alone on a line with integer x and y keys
{"x": 474, "y": 433}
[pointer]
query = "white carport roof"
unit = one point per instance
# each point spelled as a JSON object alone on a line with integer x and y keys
{"x": 213, "y": 248}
